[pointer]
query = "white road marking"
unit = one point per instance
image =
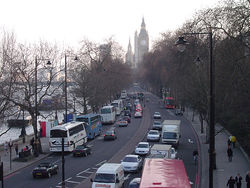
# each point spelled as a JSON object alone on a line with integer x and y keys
{"x": 126, "y": 177}
{"x": 99, "y": 164}
{"x": 84, "y": 177}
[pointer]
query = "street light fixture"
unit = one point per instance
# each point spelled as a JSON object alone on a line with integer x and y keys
{"x": 181, "y": 43}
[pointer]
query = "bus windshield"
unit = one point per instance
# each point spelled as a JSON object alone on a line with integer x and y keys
{"x": 82, "y": 119}
{"x": 105, "y": 110}
{"x": 58, "y": 133}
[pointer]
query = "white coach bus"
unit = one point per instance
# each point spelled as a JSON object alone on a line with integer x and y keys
{"x": 74, "y": 134}
{"x": 108, "y": 114}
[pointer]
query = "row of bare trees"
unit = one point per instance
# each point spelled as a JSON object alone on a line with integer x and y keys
{"x": 188, "y": 79}
{"x": 94, "y": 78}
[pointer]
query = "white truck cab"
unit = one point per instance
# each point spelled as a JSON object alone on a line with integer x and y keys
{"x": 109, "y": 175}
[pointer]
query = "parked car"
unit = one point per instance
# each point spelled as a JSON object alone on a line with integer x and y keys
{"x": 131, "y": 163}
{"x": 134, "y": 183}
{"x": 142, "y": 148}
{"x": 138, "y": 114}
{"x": 122, "y": 122}
{"x": 110, "y": 135}
{"x": 157, "y": 125}
{"x": 153, "y": 135}
{"x": 127, "y": 118}
{"x": 45, "y": 169}
{"x": 157, "y": 115}
{"x": 81, "y": 150}
{"x": 127, "y": 113}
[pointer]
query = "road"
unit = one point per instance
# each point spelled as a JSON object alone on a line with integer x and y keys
{"x": 78, "y": 170}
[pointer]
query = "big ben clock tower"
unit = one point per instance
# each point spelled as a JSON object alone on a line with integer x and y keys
{"x": 141, "y": 43}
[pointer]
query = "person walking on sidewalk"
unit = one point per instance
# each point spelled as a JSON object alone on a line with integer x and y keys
{"x": 233, "y": 140}
{"x": 238, "y": 179}
{"x": 248, "y": 179}
{"x": 231, "y": 182}
{"x": 16, "y": 148}
{"x": 230, "y": 154}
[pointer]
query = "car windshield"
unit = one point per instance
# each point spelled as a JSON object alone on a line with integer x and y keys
{"x": 157, "y": 113}
{"x": 153, "y": 132}
{"x": 80, "y": 147}
{"x": 104, "y": 178}
{"x": 129, "y": 159}
{"x": 169, "y": 135}
{"x": 157, "y": 122}
{"x": 142, "y": 146}
{"x": 109, "y": 133}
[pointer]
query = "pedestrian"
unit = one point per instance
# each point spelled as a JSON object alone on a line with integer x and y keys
{"x": 231, "y": 182}
{"x": 230, "y": 154}
{"x": 16, "y": 149}
{"x": 233, "y": 140}
{"x": 32, "y": 143}
{"x": 248, "y": 179}
{"x": 229, "y": 142}
{"x": 5, "y": 148}
{"x": 238, "y": 179}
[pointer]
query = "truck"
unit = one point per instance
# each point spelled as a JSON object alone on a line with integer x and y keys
{"x": 171, "y": 132}
{"x": 164, "y": 173}
{"x": 167, "y": 151}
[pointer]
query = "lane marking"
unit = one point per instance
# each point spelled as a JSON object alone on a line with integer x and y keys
{"x": 101, "y": 163}
{"x": 84, "y": 177}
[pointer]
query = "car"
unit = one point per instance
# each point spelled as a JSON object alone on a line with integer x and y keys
{"x": 153, "y": 135}
{"x": 127, "y": 118}
{"x": 143, "y": 148}
{"x": 127, "y": 113}
{"x": 157, "y": 115}
{"x": 157, "y": 125}
{"x": 138, "y": 108}
{"x": 81, "y": 150}
{"x": 178, "y": 112}
{"x": 138, "y": 114}
{"x": 134, "y": 183}
{"x": 122, "y": 122}
{"x": 45, "y": 169}
{"x": 110, "y": 135}
{"x": 136, "y": 102}
{"x": 131, "y": 163}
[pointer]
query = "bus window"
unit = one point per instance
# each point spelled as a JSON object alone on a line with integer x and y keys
{"x": 58, "y": 133}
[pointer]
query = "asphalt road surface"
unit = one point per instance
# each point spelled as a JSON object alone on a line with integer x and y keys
{"x": 78, "y": 170}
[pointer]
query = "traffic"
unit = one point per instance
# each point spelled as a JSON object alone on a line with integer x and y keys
{"x": 124, "y": 144}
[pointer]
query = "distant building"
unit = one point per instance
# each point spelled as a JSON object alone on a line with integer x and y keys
{"x": 141, "y": 46}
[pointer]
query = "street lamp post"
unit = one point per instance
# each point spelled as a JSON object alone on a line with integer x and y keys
{"x": 36, "y": 152}
{"x": 181, "y": 43}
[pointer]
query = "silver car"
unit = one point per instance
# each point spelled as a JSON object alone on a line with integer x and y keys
{"x": 153, "y": 135}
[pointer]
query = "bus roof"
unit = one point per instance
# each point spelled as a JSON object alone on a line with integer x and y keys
{"x": 164, "y": 173}
{"x": 66, "y": 126}
{"x": 109, "y": 106}
{"x": 87, "y": 115}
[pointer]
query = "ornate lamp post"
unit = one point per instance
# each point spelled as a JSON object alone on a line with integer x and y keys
{"x": 181, "y": 45}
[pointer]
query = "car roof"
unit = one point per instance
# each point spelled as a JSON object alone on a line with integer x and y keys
{"x": 153, "y": 131}
{"x": 131, "y": 155}
{"x": 143, "y": 143}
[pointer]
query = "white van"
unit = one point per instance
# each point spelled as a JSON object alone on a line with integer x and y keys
{"x": 109, "y": 175}
{"x": 171, "y": 132}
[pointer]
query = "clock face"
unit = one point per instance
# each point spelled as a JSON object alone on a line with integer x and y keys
{"x": 143, "y": 42}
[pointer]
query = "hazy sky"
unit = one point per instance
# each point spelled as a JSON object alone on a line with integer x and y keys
{"x": 69, "y": 21}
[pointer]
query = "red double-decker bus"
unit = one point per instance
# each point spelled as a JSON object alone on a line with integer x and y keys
{"x": 169, "y": 103}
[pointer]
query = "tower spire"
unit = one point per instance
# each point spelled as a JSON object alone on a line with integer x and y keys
{"x": 143, "y": 25}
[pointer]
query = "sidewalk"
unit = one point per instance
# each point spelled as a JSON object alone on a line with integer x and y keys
{"x": 17, "y": 165}
{"x": 224, "y": 169}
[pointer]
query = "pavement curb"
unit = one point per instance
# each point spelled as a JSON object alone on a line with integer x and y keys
{"x": 10, "y": 173}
